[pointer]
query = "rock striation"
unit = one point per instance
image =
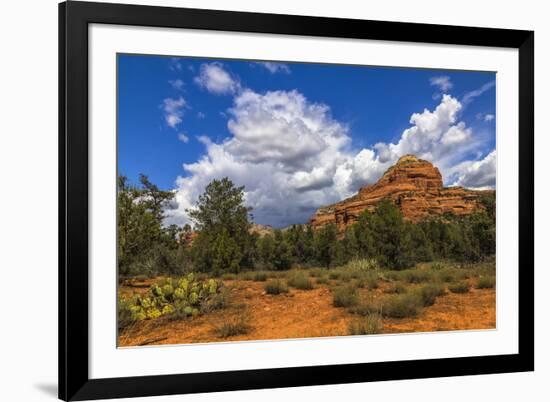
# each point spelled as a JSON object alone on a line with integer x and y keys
{"x": 413, "y": 184}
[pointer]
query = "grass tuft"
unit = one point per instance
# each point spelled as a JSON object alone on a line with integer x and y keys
{"x": 299, "y": 280}
{"x": 345, "y": 296}
{"x": 275, "y": 287}
{"x": 371, "y": 324}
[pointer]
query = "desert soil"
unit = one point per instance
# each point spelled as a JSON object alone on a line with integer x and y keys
{"x": 305, "y": 314}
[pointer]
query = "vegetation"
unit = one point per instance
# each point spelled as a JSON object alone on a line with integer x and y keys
{"x": 173, "y": 297}
{"x": 459, "y": 287}
{"x": 275, "y": 287}
{"x": 345, "y": 296}
{"x": 371, "y": 324}
{"x": 486, "y": 282}
{"x": 233, "y": 327}
{"x": 300, "y": 280}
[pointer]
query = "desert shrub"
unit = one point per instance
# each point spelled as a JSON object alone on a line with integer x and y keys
{"x": 486, "y": 282}
{"x": 233, "y": 327}
{"x": 259, "y": 276}
{"x": 334, "y": 275}
{"x": 428, "y": 294}
{"x": 275, "y": 287}
{"x": 402, "y": 305}
{"x": 345, "y": 296}
{"x": 370, "y": 324}
{"x": 366, "y": 307}
{"x": 316, "y": 272}
{"x": 459, "y": 287}
{"x": 396, "y": 288}
{"x": 362, "y": 264}
{"x": 371, "y": 281}
{"x": 229, "y": 276}
{"x": 217, "y": 301}
{"x": 437, "y": 266}
{"x": 299, "y": 280}
{"x": 447, "y": 275}
{"x": 322, "y": 280}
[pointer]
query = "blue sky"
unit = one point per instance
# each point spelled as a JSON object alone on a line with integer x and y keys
{"x": 297, "y": 135}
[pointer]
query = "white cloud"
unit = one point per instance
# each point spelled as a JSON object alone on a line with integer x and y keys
{"x": 183, "y": 138}
{"x": 201, "y": 115}
{"x": 177, "y": 84}
{"x": 293, "y": 157}
{"x": 479, "y": 174}
{"x": 173, "y": 110}
{"x": 443, "y": 82}
{"x": 470, "y": 96}
{"x": 489, "y": 117}
{"x": 216, "y": 80}
{"x": 274, "y": 67}
{"x": 175, "y": 64}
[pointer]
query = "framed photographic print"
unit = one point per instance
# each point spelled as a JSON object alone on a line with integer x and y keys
{"x": 257, "y": 201}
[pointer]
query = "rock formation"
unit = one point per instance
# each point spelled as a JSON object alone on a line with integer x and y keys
{"x": 415, "y": 185}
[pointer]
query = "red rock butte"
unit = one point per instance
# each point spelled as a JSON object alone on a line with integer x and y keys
{"x": 413, "y": 184}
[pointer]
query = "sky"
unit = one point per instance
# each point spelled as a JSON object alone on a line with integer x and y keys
{"x": 297, "y": 136}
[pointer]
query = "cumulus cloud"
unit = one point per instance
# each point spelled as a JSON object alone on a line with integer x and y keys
{"x": 274, "y": 67}
{"x": 443, "y": 82}
{"x": 173, "y": 110}
{"x": 489, "y": 117}
{"x": 292, "y": 156}
{"x": 215, "y": 79}
{"x": 479, "y": 174}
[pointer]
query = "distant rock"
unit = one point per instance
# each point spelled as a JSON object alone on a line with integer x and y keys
{"x": 413, "y": 184}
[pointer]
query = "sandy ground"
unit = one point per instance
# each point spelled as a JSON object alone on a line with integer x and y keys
{"x": 305, "y": 314}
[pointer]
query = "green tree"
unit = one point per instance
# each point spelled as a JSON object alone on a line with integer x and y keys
{"x": 141, "y": 234}
{"x": 221, "y": 218}
{"x": 325, "y": 245}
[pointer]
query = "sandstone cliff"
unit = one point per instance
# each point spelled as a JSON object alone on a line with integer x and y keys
{"x": 415, "y": 185}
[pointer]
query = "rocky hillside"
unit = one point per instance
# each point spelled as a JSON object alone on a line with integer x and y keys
{"x": 415, "y": 185}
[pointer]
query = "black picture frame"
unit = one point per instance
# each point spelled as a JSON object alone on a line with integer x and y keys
{"x": 74, "y": 381}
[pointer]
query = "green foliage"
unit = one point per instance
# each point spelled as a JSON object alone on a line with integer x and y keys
{"x": 428, "y": 294}
{"x": 275, "y": 287}
{"x": 459, "y": 287}
{"x": 370, "y": 324}
{"x": 221, "y": 219}
{"x": 486, "y": 282}
{"x": 175, "y": 298}
{"x": 396, "y": 288}
{"x": 345, "y": 296}
{"x": 325, "y": 245}
{"x": 300, "y": 280}
{"x": 402, "y": 305}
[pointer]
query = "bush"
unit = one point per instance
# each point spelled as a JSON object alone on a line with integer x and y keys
{"x": 362, "y": 265}
{"x": 447, "y": 275}
{"x": 229, "y": 276}
{"x": 401, "y": 306}
{"x": 275, "y": 287}
{"x": 428, "y": 294}
{"x": 229, "y": 328}
{"x": 299, "y": 280}
{"x": 459, "y": 287}
{"x": 486, "y": 282}
{"x": 367, "y": 307}
{"x": 345, "y": 296}
{"x": 396, "y": 288}
{"x": 372, "y": 281}
{"x": 437, "y": 266}
{"x": 334, "y": 275}
{"x": 322, "y": 280}
{"x": 371, "y": 324}
{"x": 259, "y": 277}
